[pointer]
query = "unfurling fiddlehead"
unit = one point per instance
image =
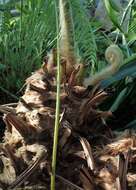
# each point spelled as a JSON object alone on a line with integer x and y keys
{"x": 114, "y": 56}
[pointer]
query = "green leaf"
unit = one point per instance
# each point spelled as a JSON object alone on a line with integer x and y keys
{"x": 128, "y": 70}
{"x": 114, "y": 5}
{"x": 112, "y": 15}
{"x": 123, "y": 94}
{"x": 131, "y": 37}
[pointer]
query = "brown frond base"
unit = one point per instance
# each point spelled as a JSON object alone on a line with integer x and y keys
{"x": 90, "y": 156}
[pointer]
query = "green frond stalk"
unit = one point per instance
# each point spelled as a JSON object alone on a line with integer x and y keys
{"x": 56, "y": 128}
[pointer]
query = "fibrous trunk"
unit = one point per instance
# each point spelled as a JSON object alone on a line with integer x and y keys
{"x": 90, "y": 155}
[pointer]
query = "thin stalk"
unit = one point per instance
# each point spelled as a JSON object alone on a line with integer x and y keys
{"x": 57, "y": 115}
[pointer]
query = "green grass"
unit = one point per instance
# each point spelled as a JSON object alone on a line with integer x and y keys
{"x": 24, "y": 41}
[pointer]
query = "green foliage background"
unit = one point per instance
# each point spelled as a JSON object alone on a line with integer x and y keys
{"x": 27, "y": 36}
